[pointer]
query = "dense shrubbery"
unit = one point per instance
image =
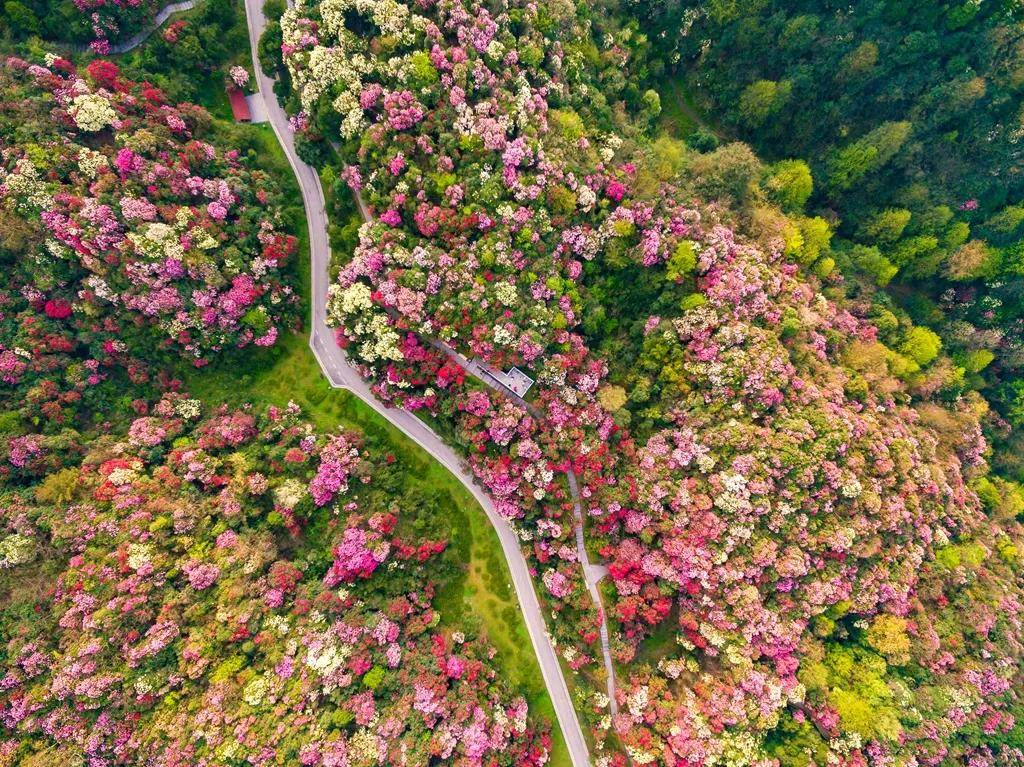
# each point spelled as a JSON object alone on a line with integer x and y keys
{"x": 220, "y": 587}
{"x": 185, "y": 583}
{"x": 124, "y": 233}
{"x": 784, "y": 476}
{"x": 185, "y": 57}
{"x": 910, "y": 117}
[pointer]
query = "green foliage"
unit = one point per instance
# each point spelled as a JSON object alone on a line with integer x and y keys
{"x": 651, "y": 102}
{"x": 682, "y": 262}
{"x": 763, "y": 99}
{"x": 921, "y": 345}
{"x": 228, "y": 668}
{"x": 853, "y": 162}
{"x": 824, "y": 267}
{"x": 816, "y": 236}
{"x": 858, "y": 691}
{"x": 860, "y": 61}
{"x": 885, "y": 226}
{"x": 797, "y": 744}
{"x": 1007, "y": 221}
{"x": 561, "y": 200}
{"x": 789, "y": 184}
{"x": 567, "y": 124}
{"x": 976, "y": 360}
{"x": 269, "y": 48}
{"x": 424, "y": 74}
{"x": 862, "y": 715}
{"x": 374, "y": 677}
{"x": 667, "y": 157}
{"x": 58, "y": 487}
{"x": 20, "y": 19}
{"x": 702, "y": 140}
{"x": 888, "y": 636}
{"x": 909, "y": 117}
{"x": 1014, "y": 402}
{"x": 870, "y": 261}
{"x": 273, "y": 9}
{"x": 731, "y": 171}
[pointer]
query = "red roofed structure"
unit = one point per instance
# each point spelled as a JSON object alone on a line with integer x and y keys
{"x": 239, "y": 106}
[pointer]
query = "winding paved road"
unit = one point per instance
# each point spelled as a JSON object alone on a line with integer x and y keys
{"x": 341, "y": 374}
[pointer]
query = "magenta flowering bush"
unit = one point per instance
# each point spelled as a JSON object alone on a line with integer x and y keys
{"x": 176, "y": 623}
{"x": 791, "y": 511}
{"x": 113, "y": 20}
{"x": 136, "y": 219}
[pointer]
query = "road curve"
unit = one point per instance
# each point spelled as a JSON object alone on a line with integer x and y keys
{"x": 342, "y": 374}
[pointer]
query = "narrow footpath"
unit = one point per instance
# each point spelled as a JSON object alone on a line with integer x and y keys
{"x": 135, "y": 40}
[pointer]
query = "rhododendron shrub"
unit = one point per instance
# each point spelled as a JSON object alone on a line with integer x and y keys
{"x": 174, "y": 622}
{"x": 137, "y": 221}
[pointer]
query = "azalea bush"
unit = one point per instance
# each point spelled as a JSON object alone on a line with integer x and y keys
{"x": 219, "y": 586}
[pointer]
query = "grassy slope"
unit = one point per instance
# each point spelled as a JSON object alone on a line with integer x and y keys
{"x": 290, "y": 372}
{"x": 681, "y": 114}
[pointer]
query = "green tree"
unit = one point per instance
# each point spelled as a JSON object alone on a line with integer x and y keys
{"x": 789, "y": 184}
{"x": 732, "y": 170}
{"x": 682, "y": 263}
{"x": 859, "y": 62}
{"x": 651, "y": 102}
{"x": 853, "y": 162}
{"x": 762, "y": 99}
{"x": 269, "y": 49}
{"x": 869, "y": 260}
{"x": 20, "y": 19}
{"x": 1007, "y": 221}
{"x": 921, "y": 345}
{"x": 424, "y": 74}
{"x": 885, "y": 226}
{"x": 817, "y": 238}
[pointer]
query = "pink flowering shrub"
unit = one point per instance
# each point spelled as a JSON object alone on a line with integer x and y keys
{"x": 151, "y": 226}
{"x": 336, "y": 461}
{"x": 164, "y": 605}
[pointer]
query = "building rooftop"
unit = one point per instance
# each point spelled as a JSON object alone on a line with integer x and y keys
{"x": 518, "y": 381}
{"x": 239, "y": 106}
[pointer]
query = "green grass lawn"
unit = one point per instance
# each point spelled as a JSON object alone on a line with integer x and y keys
{"x": 680, "y": 115}
{"x": 288, "y": 371}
